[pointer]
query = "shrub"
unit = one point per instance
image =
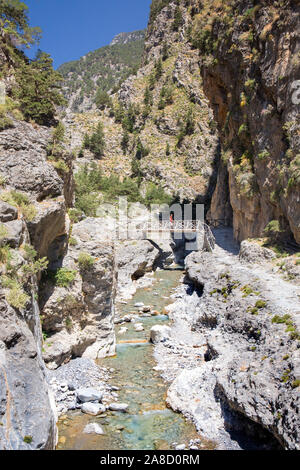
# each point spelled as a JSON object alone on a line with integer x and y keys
{"x": 158, "y": 69}
{"x": 73, "y": 241}
{"x": 17, "y": 199}
{"x": 27, "y": 439}
{"x": 60, "y": 165}
{"x": 3, "y": 232}
{"x": 68, "y": 323}
{"x": 243, "y": 129}
{"x": 263, "y": 155}
{"x": 74, "y": 215}
{"x": 2, "y": 180}
{"x": 5, "y": 254}
{"x": 251, "y": 84}
{"x": 148, "y": 97}
{"x": 187, "y": 127}
{"x": 141, "y": 151}
{"x": 58, "y": 134}
{"x": 260, "y": 304}
{"x": 273, "y": 230}
{"x": 29, "y": 212}
{"x": 85, "y": 261}
{"x": 178, "y": 19}
{"x": 125, "y": 141}
{"x": 279, "y": 319}
{"x": 5, "y": 123}
{"x": 64, "y": 277}
{"x": 156, "y": 195}
{"x": 35, "y": 267}
{"x": 296, "y": 383}
{"x": 16, "y": 297}
{"x": 88, "y": 181}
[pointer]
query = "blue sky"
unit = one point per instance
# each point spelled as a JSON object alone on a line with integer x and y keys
{"x": 71, "y": 28}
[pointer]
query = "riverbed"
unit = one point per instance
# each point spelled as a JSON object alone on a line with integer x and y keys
{"x": 148, "y": 423}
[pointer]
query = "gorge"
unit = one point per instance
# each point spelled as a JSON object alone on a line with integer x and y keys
{"x": 133, "y": 342}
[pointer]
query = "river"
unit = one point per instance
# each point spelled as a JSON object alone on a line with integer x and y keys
{"x": 148, "y": 424}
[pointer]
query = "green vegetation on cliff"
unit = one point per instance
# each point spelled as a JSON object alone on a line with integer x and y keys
{"x": 102, "y": 71}
{"x": 35, "y": 92}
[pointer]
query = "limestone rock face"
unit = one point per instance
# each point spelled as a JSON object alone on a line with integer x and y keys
{"x": 182, "y": 161}
{"x": 79, "y": 318}
{"x": 251, "y": 82}
{"x": 28, "y": 412}
{"x": 249, "y": 381}
{"x": 23, "y": 161}
{"x": 27, "y": 406}
{"x": 134, "y": 260}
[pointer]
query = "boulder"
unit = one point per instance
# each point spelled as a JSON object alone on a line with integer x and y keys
{"x": 85, "y": 395}
{"x": 7, "y": 212}
{"x": 23, "y": 160}
{"x": 122, "y": 407}
{"x": 93, "y": 428}
{"x": 159, "y": 334}
{"x": 138, "y": 327}
{"x": 93, "y": 409}
{"x": 252, "y": 252}
{"x": 14, "y": 233}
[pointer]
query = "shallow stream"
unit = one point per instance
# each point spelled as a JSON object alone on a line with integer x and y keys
{"x": 148, "y": 424}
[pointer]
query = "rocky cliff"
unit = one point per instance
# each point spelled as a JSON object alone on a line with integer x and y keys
{"x": 159, "y": 127}
{"x": 249, "y": 60}
{"x": 32, "y": 209}
{"x": 232, "y": 358}
{"x": 218, "y": 79}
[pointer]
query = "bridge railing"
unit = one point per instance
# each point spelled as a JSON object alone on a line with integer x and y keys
{"x": 181, "y": 226}
{"x": 176, "y": 225}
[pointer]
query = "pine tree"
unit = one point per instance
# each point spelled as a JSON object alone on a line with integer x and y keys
{"x": 96, "y": 142}
{"x": 125, "y": 141}
{"x": 158, "y": 69}
{"x": 148, "y": 97}
{"x": 102, "y": 99}
{"x": 178, "y": 19}
{"x": 14, "y": 24}
{"x": 38, "y": 89}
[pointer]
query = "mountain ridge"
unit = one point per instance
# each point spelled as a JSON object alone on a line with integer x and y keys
{"x": 101, "y": 70}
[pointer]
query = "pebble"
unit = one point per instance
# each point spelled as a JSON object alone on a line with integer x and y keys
{"x": 118, "y": 407}
{"x": 93, "y": 428}
{"x": 93, "y": 409}
{"x": 147, "y": 308}
{"x": 180, "y": 447}
{"x": 122, "y": 331}
{"x": 139, "y": 305}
